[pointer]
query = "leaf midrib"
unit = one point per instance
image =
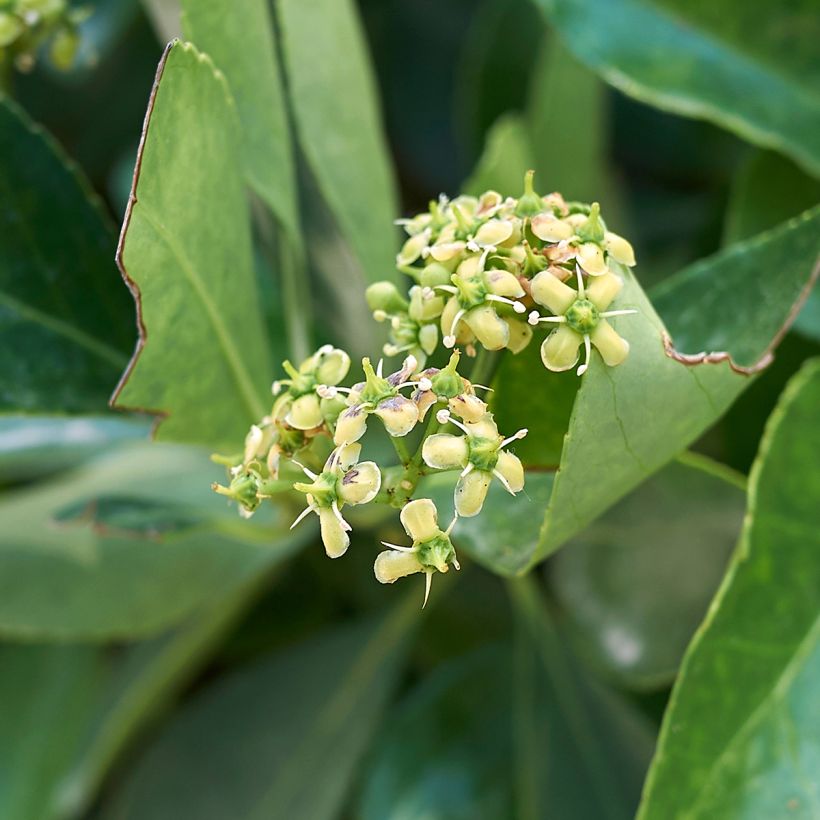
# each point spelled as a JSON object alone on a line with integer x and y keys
{"x": 229, "y": 350}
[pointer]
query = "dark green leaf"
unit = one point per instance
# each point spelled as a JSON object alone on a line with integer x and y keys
{"x": 66, "y": 325}
{"x": 335, "y": 104}
{"x": 637, "y": 582}
{"x": 702, "y": 59}
{"x": 740, "y": 737}
{"x": 509, "y": 733}
{"x": 238, "y": 36}
{"x": 283, "y": 736}
{"x": 203, "y": 360}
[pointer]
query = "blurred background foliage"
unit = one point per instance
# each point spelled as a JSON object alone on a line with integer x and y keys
{"x": 302, "y": 688}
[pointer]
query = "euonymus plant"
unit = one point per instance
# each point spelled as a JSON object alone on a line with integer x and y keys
{"x": 417, "y": 355}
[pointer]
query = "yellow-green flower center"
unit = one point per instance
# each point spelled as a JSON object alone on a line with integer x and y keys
{"x": 483, "y": 453}
{"x": 583, "y": 316}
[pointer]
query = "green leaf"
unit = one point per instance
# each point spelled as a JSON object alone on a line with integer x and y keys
{"x": 506, "y": 157}
{"x": 126, "y": 546}
{"x": 46, "y": 696}
{"x": 65, "y": 317}
{"x": 36, "y": 446}
{"x": 509, "y": 732}
{"x": 701, "y": 59}
{"x": 285, "y": 734}
{"x": 335, "y": 104}
{"x": 238, "y": 36}
{"x": 740, "y": 736}
{"x": 769, "y": 189}
{"x": 636, "y": 584}
{"x": 202, "y": 360}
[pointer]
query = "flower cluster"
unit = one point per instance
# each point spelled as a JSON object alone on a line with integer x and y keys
{"x": 26, "y": 25}
{"x": 482, "y": 268}
{"x": 479, "y": 263}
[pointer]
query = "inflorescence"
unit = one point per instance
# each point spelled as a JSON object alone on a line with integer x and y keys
{"x": 483, "y": 269}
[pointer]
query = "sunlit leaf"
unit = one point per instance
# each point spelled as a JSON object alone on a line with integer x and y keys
{"x": 740, "y": 737}
{"x": 202, "y": 361}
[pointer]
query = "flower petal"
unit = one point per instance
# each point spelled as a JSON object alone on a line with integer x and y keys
{"x": 611, "y": 346}
{"x": 551, "y": 293}
{"x": 334, "y": 536}
{"x": 413, "y": 248}
{"x": 428, "y": 339}
{"x": 504, "y": 283}
{"x": 305, "y": 413}
{"x": 332, "y": 366}
{"x": 420, "y": 519}
{"x": 490, "y": 329}
{"x": 559, "y": 351}
{"x": 468, "y": 408}
{"x": 470, "y": 493}
{"x": 447, "y": 250}
{"x": 619, "y": 249}
{"x": 361, "y": 483}
{"x": 344, "y": 457}
{"x": 511, "y": 469}
{"x": 591, "y": 258}
{"x": 494, "y": 232}
{"x": 445, "y": 452}
{"x": 550, "y": 229}
{"x": 399, "y": 415}
{"x": 394, "y": 564}
{"x": 520, "y": 334}
{"x": 351, "y": 425}
{"x": 603, "y": 289}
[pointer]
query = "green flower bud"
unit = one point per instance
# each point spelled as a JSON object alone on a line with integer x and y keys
{"x": 530, "y": 203}
{"x": 243, "y": 489}
{"x": 434, "y": 274}
{"x": 592, "y": 229}
{"x": 425, "y": 305}
{"x": 428, "y": 339}
{"x": 385, "y": 296}
{"x": 447, "y": 382}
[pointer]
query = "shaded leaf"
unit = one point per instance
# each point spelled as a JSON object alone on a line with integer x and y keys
{"x": 767, "y": 190}
{"x": 238, "y": 36}
{"x": 335, "y": 105}
{"x": 284, "y": 734}
{"x": 508, "y": 732}
{"x": 506, "y": 158}
{"x": 202, "y": 360}
{"x": 700, "y": 59}
{"x": 740, "y": 737}
{"x": 73, "y": 568}
{"x": 636, "y": 584}
{"x": 65, "y": 319}
{"x": 46, "y": 696}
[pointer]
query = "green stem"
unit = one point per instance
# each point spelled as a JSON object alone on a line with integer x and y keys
{"x": 400, "y": 445}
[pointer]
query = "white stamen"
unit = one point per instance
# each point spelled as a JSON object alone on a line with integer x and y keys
{"x": 345, "y": 526}
{"x": 503, "y": 481}
{"x": 520, "y": 434}
{"x": 484, "y": 387}
{"x": 324, "y": 349}
{"x": 610, "y": 313}
{"x": 397, "y": 547}
{"x": 379, "y": 367}
{"x": 450, "y": 339}
{"x": 427, "y": 292}
{"x": 535, "y": 318}
{"x": 302, "y": 515}
{"x": 449, "y": 288}
{"x": 326, "y": 391}
{"x": 588, "y": 349}
{"x": 394, "y": 350}
{"x": 427, "y": 584}
{"x": 425, "y": 384}
{"x": 581, "y": 291}
{"x": 518, "y": 307}
{"x": 395, "y": 323}
{"x": 450, "y": 527}
{"x": 473, "y": 246}
{"x": 455, "y": 563}
{"x": 379, "y": 315}
{"x": 443, "y": 416}
{"x": 468, "y": 469}
{"x": 309, "y": 473}
{"x": 276, "y": 388}
{"x": 410, "y": 364}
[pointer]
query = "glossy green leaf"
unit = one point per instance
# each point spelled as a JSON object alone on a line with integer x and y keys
{"x": 335, "y": 105}
{"x": 701, "y": 59}
{"x": 509, "y": 732}
{"x": 637, "y": 582}
{"x": 203, "y": 360}
{"x": 742, "y": 730}
{"x": 66, "y": 324}
{"x": 127, "y": 545}
{"x": 769, "y": 189}
{"x": 239, "y": 37}
{"x": 285, "y": 734}
{"x": 36, "y": 446}
{"x": 46, "y": 696}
